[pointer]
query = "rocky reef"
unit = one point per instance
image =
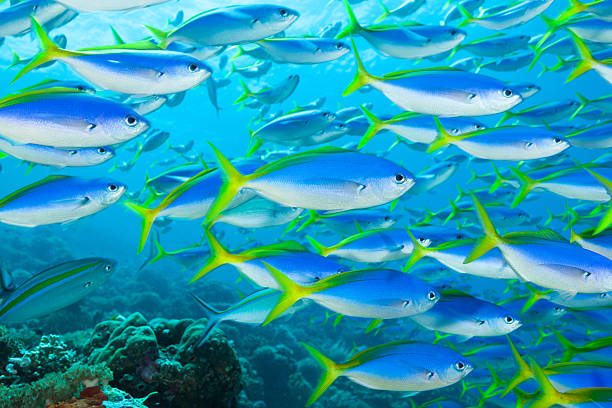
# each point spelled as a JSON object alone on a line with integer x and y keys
{"x": 164, "y": 356}
{"x": 159, "y": 361}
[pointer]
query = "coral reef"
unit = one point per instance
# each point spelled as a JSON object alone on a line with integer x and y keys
{"x": 106, "y": 396}
{"x": 9, "y": 346}
{"x": 164, "y": 356}
{"x": 51, "y": 355}
{"x": 54, "y": 387}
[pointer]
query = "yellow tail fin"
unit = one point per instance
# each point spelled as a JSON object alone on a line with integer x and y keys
{"x": 49, "y": 51}
{"x": 291, "y": 293}
{"x": 331, "y": 371}
{"x": 362, "y": 77}
{"x": 233, "y": 182}
{"x": 148, "y": 218}
{"x": 219, "y": 255}
{"x": 491, "y": 238}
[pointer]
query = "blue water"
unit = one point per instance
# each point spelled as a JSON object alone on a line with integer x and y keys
{"x": 114, "y": 232}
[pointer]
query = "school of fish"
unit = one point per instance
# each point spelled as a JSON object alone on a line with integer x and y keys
{"x": 358, "y": 235}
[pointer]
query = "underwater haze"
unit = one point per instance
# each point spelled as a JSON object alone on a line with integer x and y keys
{"x": 339, "y": 203}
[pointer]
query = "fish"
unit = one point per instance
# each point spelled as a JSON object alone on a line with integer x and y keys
{"x": 56, "y": 83}
{"x": 124, "y": 70}
{"x": 333, "y": 131}
{"x": 55, "y": 288}
{"x": 351, "y": 222}
{"x": 511, "y": 143}
{"x": 440, "y": 91}
{"x": 496, "y": 45}
{"x": 416, "y": 128}
{"x": 258, "y": 213}
{"x": 72, "y": 119}
{"x": 526, "y": 90}
{"x": 509, "y": 16}
{"x": 190, "y": 199}
{"x": 144, "y": 106}
{"x": 454, "y": 13}
{"x": 375, "y": 245}
{"x": 270, "y": 95}
{"x": 366, "y": 293}
{"x": 255, "y": 70}
{"x": 413, "y": 41}
{"x": 182, "y": 148}
{"x": 290, "y": 257}
{"x": 543, "y": 312}
{"x": 465, "y": 316}
{"x": 303, "y": 50}
{"x": 187, "y": 257}
{"x": 592, "y": 137}
{"x": 397, "y": 366}
{"x": 405, "y": 9}
{"x": 581, "y": 301}
{"x": 58, "y": 158}
{"x": 432, "y": 176}
{"x": 288, "y": 181}
{"x": 452, "y": 254}
{"x": 288, "y": 129}
{"x": 15, "y": 20}
{"x": 512, "y": 62}
{"x": 543, "y": 114}
{"x": 573, "y": 182}
{"x": 230, "y": 25}
{"x": 544, "y": 259}
{"x": 58, "y": 199}
{"x": 253, "y": 309}
{"x": 84, "y": 5}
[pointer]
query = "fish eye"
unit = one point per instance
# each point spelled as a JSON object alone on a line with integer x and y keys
{"x": 507, "y": 92}
{"x": 387, "y": 218}
{"x": 112, "y": 187}
{"x": 422, "y": 240}
{"x": 73, "y": 152}
{"x": 587, "y": 275}
{"x": 101, "y": 150}
{"x": 339, "y": 46}
{"x": 87, "y": 284}
{"x": 477, "y": 126}
{"x": 406, "y": 303}
{"x": 284, "y": 13}
{"x": 508, "y": 319}
{"x": 471, "y": 96}
{"x": 255, "y": 21}
{"x": 528, "y": 145}
{"x": 80, "y": 88}
{"x": 453, "y": 32}
{"x": 460, "y": 365}
{"x": 108, "y": 268}
{"x": 557, "y": 309}
{"x": 455, "y": 131}
{"x": 399, "y": 178}
{"x": 603, "y": 295}
{"x": 131, "y": 120}
{"x": 557, "y": 140}
{"x": 193, "y": 67}
{"x": 432, "y": 295}
{"x": 430, "y": 375}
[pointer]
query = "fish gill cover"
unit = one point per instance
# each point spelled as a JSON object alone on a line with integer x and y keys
{"x": 336, "y": 203}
